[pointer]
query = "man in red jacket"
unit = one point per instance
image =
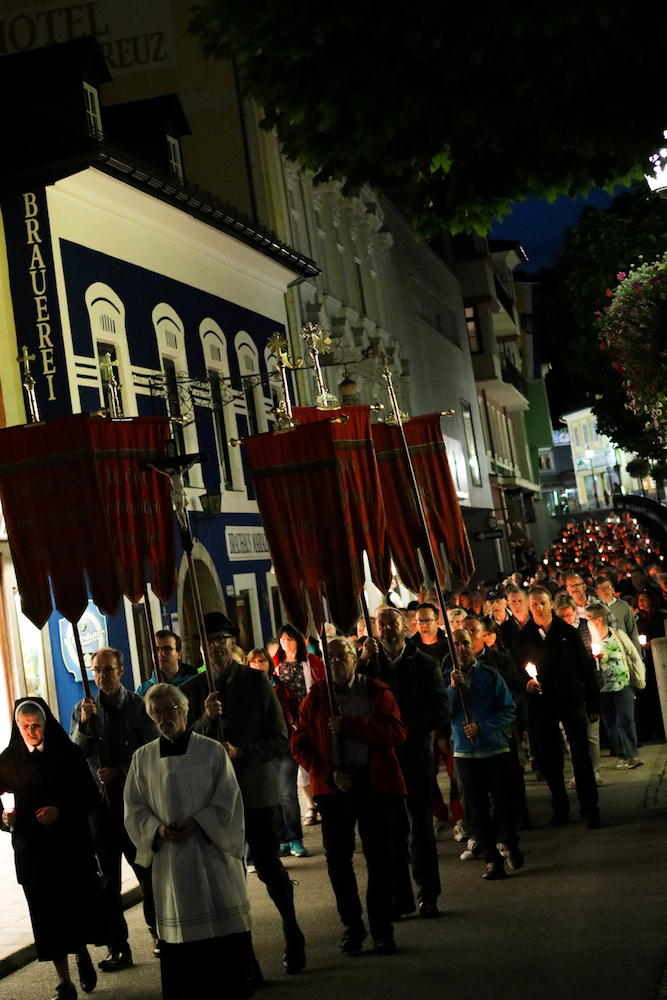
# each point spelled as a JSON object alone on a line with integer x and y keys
{"x": 356, "y": 780}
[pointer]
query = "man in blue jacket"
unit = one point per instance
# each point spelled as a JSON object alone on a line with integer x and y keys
{"x": 482, "y": 754}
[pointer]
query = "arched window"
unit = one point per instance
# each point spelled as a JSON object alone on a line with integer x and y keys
{"x": 214, "y": 345}
{"x": 170, "y": 336}
{"x": 106, "y": 314}
{"x": 249, "y": 367}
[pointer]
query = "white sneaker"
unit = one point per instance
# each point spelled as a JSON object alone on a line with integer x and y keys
{"x": 633, "y": 762}
{"x": 459, "y": 831}
{"x": 473, "y": 850}
{"x": 621, "y": 764}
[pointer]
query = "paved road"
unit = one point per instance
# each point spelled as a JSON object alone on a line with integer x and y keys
{"x": 586, "y": 918}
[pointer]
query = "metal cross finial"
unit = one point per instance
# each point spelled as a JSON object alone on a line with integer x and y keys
{"x": 277, "y": 345}
{"x": 24, "y": 359}
{"x": 312, "y": 334}
{"x": 109, "y": 378}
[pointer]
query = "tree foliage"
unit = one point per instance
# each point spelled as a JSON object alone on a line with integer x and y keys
{"x": 453, "y": 109}
{"x": 604, "y": 243}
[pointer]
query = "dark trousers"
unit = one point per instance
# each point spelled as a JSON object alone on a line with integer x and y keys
{"x": 547, "y": 742}
{"x": 262, "y": 828}
{"x": 416, "y": 830}
{"x": 111, "y": 842}
{"x": 287, "y": 771}
{"x": 372, "y": 815}
{"x": 489, "y": 780}
{"x": 210, "y": 968}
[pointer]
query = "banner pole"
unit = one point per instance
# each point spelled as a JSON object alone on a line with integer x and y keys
{"x": 374, "y": 665}
{"x": 93, "y": 721}
{"x": 151, "y": 637}
{"x": 429, "y": 554}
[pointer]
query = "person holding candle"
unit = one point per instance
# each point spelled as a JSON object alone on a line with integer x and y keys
{"x": 565, "y": 691}
{"x": 54, "y": 794}
{"x": 565, "y": 606}
{"x": 481, "y": 750}
{"x": 622, "y": 669}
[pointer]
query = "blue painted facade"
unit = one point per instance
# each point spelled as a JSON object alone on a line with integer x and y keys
{"x": 141, "y": 290}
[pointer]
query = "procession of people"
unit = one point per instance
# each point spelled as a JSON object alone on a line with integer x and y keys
{"x": 197, "y": 787}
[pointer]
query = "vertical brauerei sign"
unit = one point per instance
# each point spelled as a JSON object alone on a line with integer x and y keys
{"x": 35, "y": 298}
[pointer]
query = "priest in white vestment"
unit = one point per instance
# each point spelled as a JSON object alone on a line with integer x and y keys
{"x": 184, "y": 813}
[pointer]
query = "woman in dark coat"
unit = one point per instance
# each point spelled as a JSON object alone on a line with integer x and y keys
{"x": 55, "y": 862}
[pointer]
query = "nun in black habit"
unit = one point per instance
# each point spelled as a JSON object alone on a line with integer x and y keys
{"x": 55, "y": 862}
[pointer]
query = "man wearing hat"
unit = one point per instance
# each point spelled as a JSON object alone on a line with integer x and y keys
{"x": 255, "y": 734}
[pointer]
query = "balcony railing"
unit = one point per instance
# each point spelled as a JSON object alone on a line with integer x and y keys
{"x": 513, "y": 376}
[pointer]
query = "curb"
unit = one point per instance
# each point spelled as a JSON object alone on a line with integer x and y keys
{"x": 656, "y": 792}
{"x": 24, "y": 956}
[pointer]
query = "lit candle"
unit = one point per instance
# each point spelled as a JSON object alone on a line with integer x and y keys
{"x": 8, "y": 801}
{"x": 643, "y": 640}
{"x": 531, "y": 670}
{"x": 596, "y": 649}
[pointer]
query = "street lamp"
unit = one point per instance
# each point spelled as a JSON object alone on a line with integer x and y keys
{"x": 657, "y": 181}
{"x": 589, "y": 455}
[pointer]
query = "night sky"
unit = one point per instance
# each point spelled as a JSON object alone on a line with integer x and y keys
{"x": 539, "y": 226}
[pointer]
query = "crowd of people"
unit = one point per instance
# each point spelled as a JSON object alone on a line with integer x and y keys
{"x": 199, "y": 788}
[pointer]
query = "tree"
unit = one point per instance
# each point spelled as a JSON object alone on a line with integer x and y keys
{"x": 603, "y": 244}
{"x": 454, "y": 110}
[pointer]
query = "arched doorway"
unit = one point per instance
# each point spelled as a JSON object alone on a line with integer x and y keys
{"x": 212, "y": 599}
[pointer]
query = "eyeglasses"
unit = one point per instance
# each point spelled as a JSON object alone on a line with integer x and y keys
{"x": 104, "y": 671}
{"x": 157, "y": 713}
{"x": 166, "y": 649}
{"x": 218, "y": 640}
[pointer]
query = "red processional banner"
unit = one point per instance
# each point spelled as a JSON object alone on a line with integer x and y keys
{"x": 137, "y": 502}
{"x": 81, "y": 519}
{"x": 443, "y": 516}
{"x": 360, "y": 488}
{"x": 297, "y": 487}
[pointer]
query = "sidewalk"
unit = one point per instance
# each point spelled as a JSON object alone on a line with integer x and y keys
{"x": 17, "y": 946}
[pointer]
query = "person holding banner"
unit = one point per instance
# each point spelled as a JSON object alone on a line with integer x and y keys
{"x": 53, "y": 794}
{"x": 356, "y": 781}
{"x": 416, "y": 682}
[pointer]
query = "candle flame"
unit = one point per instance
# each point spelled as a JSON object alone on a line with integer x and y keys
{"x": 8, "y": 801}
{"x": 643, "y": 640}
{"x": 596, "y": 648}
{"x": 531, "y": 670}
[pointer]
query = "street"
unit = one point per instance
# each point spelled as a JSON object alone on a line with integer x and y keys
{"x": 586, "y": 917}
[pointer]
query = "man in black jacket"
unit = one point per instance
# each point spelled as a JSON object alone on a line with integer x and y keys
{"x": 566, "y": 691}
{"x": 255, "y": 734}
{"x": 416, "y": 682}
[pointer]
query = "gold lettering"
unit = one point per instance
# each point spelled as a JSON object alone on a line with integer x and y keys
{"x": 30, "y": 202}
{"x": 34, "y": 277}
{"x": 44, "y": 332}
{"x": 48, "y": 367}
{"x": 32, "y": 229}
{"x": 42, "y": 307}
{"x": 36, "y": 261}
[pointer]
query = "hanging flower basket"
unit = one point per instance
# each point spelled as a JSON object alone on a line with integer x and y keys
{"x": 633, "y": 329}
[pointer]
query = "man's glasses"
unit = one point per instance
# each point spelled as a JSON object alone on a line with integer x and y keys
{"x": 218, "y": 640}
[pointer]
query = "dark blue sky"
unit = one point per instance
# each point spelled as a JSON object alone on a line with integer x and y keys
{"x": 539, "y": 226}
